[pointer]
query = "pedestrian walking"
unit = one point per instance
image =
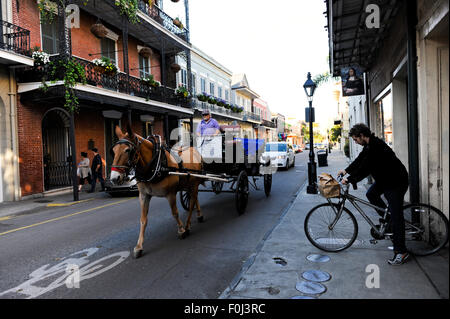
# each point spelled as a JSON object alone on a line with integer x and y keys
{"x": 97, "y": 169}
{"x": 84, "y": 171}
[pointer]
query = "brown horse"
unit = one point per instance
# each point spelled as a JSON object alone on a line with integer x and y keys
{"x": 152, "y": 162}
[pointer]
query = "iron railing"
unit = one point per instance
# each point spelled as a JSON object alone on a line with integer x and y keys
{"x": 14, "y": 38}
{"x": 119, "y": 82}
{"x": 163, "y": 19}
{"x": 57, "y": 174}
{"x": 252, "y": 116}
{"x": 267, "y": 123}
{"x": 215, "y": 108}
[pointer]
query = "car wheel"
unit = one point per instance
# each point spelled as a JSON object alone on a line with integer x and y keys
{"x": 287, "y": 165}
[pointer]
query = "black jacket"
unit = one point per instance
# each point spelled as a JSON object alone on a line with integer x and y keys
{"x": 379, "y": 160}
{"x": 95, "y": 162}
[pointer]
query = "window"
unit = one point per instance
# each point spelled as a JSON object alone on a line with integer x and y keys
{"x": 211, "y": 88}
{"x": 144, "y": 67}
{"x": 219, "y": 92}
{"x": 184, "y": 77}
{"x": 226, "y": 95}
{"x": 108, "y": 48}
{"x": 194, "y": 84}
{"x": 50, "y": 39}
{"x": 203, "y": 85}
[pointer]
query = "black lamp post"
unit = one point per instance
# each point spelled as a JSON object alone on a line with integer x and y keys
{"x": 310, "y": 87}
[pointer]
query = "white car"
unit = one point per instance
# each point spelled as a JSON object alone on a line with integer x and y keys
{"x": 281, "y": 154}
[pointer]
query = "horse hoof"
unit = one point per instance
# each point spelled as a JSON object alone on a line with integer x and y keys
{"x": 137, "y": 253}
{"x": 200, "y": 219}
{"x": 183, "y": 235}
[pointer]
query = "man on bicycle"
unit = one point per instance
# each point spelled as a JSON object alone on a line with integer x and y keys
{"x": 391, "y": 179}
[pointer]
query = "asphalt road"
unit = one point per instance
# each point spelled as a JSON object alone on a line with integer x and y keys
{"x": 88, "y": 246}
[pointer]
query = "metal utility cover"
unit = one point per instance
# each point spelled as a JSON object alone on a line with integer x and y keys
{"x": 316, "y": 275}
{"x": 310, "y": 288}
{"x": 318, "y": 258}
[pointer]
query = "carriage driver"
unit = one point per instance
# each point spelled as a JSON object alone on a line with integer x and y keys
{"x": 208, "y": 126}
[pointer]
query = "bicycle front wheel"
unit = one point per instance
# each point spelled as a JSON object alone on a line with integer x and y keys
{"x": 318, "y": 223}
{"x": 426, "y": 229}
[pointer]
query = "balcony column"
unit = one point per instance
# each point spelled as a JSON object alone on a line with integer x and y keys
{"x": 65, "y": 51}
{"x": 126, "y": 67}
{"x": 163, "y": 68}
{"x": 189, "y": 70}
{"x": 186, "y": 8}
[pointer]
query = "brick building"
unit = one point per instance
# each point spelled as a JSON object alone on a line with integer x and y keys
{"x": 138, "y": 50}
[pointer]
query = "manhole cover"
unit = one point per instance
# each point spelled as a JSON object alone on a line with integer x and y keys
{"x": 318, "y": 258}
{"x": 303, "y": 297}
{"x": 43, "y": 201}
{"x": 316, "y": 275}
{"x": 310, "y": 288}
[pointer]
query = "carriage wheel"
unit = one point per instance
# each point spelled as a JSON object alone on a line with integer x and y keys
{"x": 217, "y": 186}
{"x": 185, "y": 199}
{"x": 267, "y": 184}
{"x": 241, "y": 192}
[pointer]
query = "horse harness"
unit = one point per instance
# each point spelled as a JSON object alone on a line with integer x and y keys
{"x": 157, "y": 169}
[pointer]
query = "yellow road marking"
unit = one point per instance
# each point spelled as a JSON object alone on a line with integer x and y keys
{"x": 5, "y": 218}
{"x": 69, "y": 204}
{"x": 66, "y": 216}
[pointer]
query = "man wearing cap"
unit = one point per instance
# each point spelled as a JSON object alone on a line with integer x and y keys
{"x": 208, "y": 126}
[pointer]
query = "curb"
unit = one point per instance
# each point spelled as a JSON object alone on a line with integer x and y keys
{"x": 69, "y": 204}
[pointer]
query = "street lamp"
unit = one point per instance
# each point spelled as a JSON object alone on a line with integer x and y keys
{"x": 310, "y": 87}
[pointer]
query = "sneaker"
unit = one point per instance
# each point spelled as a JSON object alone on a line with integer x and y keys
{"x": 398, "y": 259}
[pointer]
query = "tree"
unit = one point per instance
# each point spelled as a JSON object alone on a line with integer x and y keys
{"x": 336, "y": 132}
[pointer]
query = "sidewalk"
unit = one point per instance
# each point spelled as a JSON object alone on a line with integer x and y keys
{"x": 51, "y": 200}
{"x": 278, "y": 263}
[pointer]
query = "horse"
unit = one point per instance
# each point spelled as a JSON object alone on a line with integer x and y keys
{"x": 152, "y": 163}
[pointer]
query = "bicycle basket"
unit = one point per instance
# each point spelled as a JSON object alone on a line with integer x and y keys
{"x": 328, "y": 186}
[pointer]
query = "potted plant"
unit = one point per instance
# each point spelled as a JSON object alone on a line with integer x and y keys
{"x": 212, "y": 100}
{"x": 202, "y": 97}
{"x": 175, "y": 0}
{"x": 40, "y": 57}
{"x": 178, "y": 23}
{"x": 99, "y": 30}
{"x": 182, "y": 92}
{"x": 105, "y": 66}
{"x": 221, "y": 102}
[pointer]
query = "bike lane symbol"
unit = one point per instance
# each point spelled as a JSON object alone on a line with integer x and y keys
{"x": 71, "y": 271}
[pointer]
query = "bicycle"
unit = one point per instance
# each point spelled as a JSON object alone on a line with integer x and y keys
{"x": 333, "y": 228}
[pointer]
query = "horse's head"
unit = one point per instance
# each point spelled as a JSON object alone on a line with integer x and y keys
{"x": 124, "y": 153}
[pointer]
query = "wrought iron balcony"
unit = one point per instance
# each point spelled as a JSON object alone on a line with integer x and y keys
{"x": 197, "y": 104}
{"x": 252, "y": 116}
{"x": 14, "y": 38}
{"x": 269, "y": 124}
{"x": 163, "y": 19}
{"x": 119, "y": 82}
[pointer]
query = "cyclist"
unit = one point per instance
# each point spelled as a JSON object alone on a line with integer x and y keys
{"x": 391, "y": 179}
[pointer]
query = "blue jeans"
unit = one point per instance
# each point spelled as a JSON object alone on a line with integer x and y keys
{"x": 98, "y": 175}
{"x": 395, "y": 198}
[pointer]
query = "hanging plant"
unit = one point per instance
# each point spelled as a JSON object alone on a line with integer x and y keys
{"x": 105, "y": 66}
{"x": 99, "y": 30}
{"x": 178, "y": 23}
{"x": 175, "y": 0}
{"x": 73, "y": 72}
{"x": 40, "y": 57}
{"x": 129, "y": 8}
{"x": 175, "y": 67}
{"x": 146, "y": 52}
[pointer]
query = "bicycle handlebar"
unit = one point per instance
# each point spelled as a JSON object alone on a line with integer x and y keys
{"x": 341, "y": 177}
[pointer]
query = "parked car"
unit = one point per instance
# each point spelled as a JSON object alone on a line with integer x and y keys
{"x": 307, "y": 146}
{"x": 297, "y": 148}
{"x": 281, "y": 154}
{"x": 128, "y": 187}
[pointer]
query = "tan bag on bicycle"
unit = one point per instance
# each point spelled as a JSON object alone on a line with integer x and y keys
{"x": 328, "y": 186}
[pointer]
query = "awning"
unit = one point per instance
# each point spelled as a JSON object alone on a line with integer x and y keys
{"x": 351, "y": 42}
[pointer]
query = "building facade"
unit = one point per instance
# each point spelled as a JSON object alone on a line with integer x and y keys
{"x": 50, "y": 136}
{"x": 406, "y": 79}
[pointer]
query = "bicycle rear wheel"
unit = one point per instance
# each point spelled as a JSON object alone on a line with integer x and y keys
{"x": 317, "y": 229}
{"x": 426, "y": 229}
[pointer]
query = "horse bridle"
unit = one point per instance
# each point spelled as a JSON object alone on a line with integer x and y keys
{"x": 134, "y": 155}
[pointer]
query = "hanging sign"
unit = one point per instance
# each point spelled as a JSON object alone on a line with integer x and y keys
{"x": 352, "y": 81}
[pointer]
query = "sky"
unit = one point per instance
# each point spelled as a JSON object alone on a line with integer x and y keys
{"x": 275, "y": 43}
